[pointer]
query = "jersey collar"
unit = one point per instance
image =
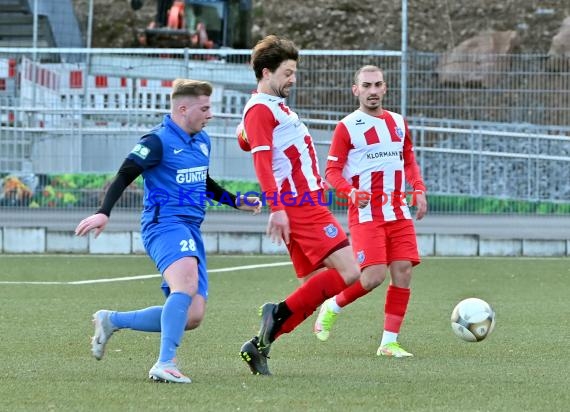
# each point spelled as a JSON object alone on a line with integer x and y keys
{"x": 168, "y": 122}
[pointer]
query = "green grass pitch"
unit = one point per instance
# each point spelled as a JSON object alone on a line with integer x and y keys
{"x": 524, "y": 365}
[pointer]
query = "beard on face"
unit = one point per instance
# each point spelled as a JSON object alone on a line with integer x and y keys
{"x": 284, "y": 91}
{"x": 372, "y": 104}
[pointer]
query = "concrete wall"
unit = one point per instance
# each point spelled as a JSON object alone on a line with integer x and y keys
{"x": 41, "y": 240}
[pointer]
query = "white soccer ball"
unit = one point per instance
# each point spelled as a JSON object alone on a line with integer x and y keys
{"x": 473, "y": 319}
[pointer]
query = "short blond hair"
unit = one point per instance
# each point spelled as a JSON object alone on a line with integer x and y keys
{"x": 367, "y": 68}
{"x": 192, "y": 88}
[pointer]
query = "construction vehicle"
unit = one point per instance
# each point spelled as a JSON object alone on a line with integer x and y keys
{"x": 205, "y": 24}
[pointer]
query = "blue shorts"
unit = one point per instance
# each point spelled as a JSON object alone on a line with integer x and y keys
{"x": 168, "y": 242}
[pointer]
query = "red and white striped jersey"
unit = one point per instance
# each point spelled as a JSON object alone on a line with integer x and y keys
{"x": 374, "y": 154}
{"x": 283, "y": 151}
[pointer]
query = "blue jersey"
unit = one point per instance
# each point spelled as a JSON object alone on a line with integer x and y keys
{"x": 175, "y": 166}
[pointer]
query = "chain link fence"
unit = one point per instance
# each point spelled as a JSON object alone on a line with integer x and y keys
{"x": 489, "y": 139}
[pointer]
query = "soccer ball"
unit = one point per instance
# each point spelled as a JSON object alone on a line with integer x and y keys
{"x": 473, "y": 319}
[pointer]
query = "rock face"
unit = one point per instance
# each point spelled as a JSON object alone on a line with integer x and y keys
{"x": 477, "y": 61}
{"x": 433, "y": 25}
{"x": 559, "y": 53}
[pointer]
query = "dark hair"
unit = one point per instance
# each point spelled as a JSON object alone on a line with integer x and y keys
{"x": 193, "y": 88}
{"x": 270, "y": 52}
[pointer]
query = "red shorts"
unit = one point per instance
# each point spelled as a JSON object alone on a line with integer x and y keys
{"x": 315, "y": 234}
{"x": 377, "y": 243}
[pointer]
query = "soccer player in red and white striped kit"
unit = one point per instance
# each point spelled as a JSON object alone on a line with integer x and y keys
{"x": 372, "y": 157}
{"x": 286, "y": 166}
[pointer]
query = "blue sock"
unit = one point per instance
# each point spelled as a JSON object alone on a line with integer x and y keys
{"x": 145, "y": 320}
{"x": 173, "y": 321}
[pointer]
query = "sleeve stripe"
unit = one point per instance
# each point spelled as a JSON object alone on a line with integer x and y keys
{"x": 334, "y": 158}
{"x": 259, "y": 149}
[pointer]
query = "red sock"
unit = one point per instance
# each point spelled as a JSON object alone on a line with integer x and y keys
{"x": 395, "y": 308}
{"x": 307, "y": 297}
{"x": 350, "y": 294}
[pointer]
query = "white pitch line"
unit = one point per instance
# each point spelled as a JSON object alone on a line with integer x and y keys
{"x": 140, "y": 277}
{"x": 124, "y": 278}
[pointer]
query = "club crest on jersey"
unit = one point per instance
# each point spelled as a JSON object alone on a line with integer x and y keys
{"x": 204, "y": 149}
{"x": 399, "y": 132}
{"x": 331, "y": 230}
{"x": 360, "y": 256}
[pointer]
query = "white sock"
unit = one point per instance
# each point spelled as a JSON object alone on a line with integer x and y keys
{"x": 334, "y": 306}
{"x": 388, "y": 337}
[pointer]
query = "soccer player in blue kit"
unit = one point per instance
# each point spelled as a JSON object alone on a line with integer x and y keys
{"x": 174, "y": 159}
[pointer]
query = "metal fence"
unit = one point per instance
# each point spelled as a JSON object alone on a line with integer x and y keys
{"x": 493, "y": 140}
